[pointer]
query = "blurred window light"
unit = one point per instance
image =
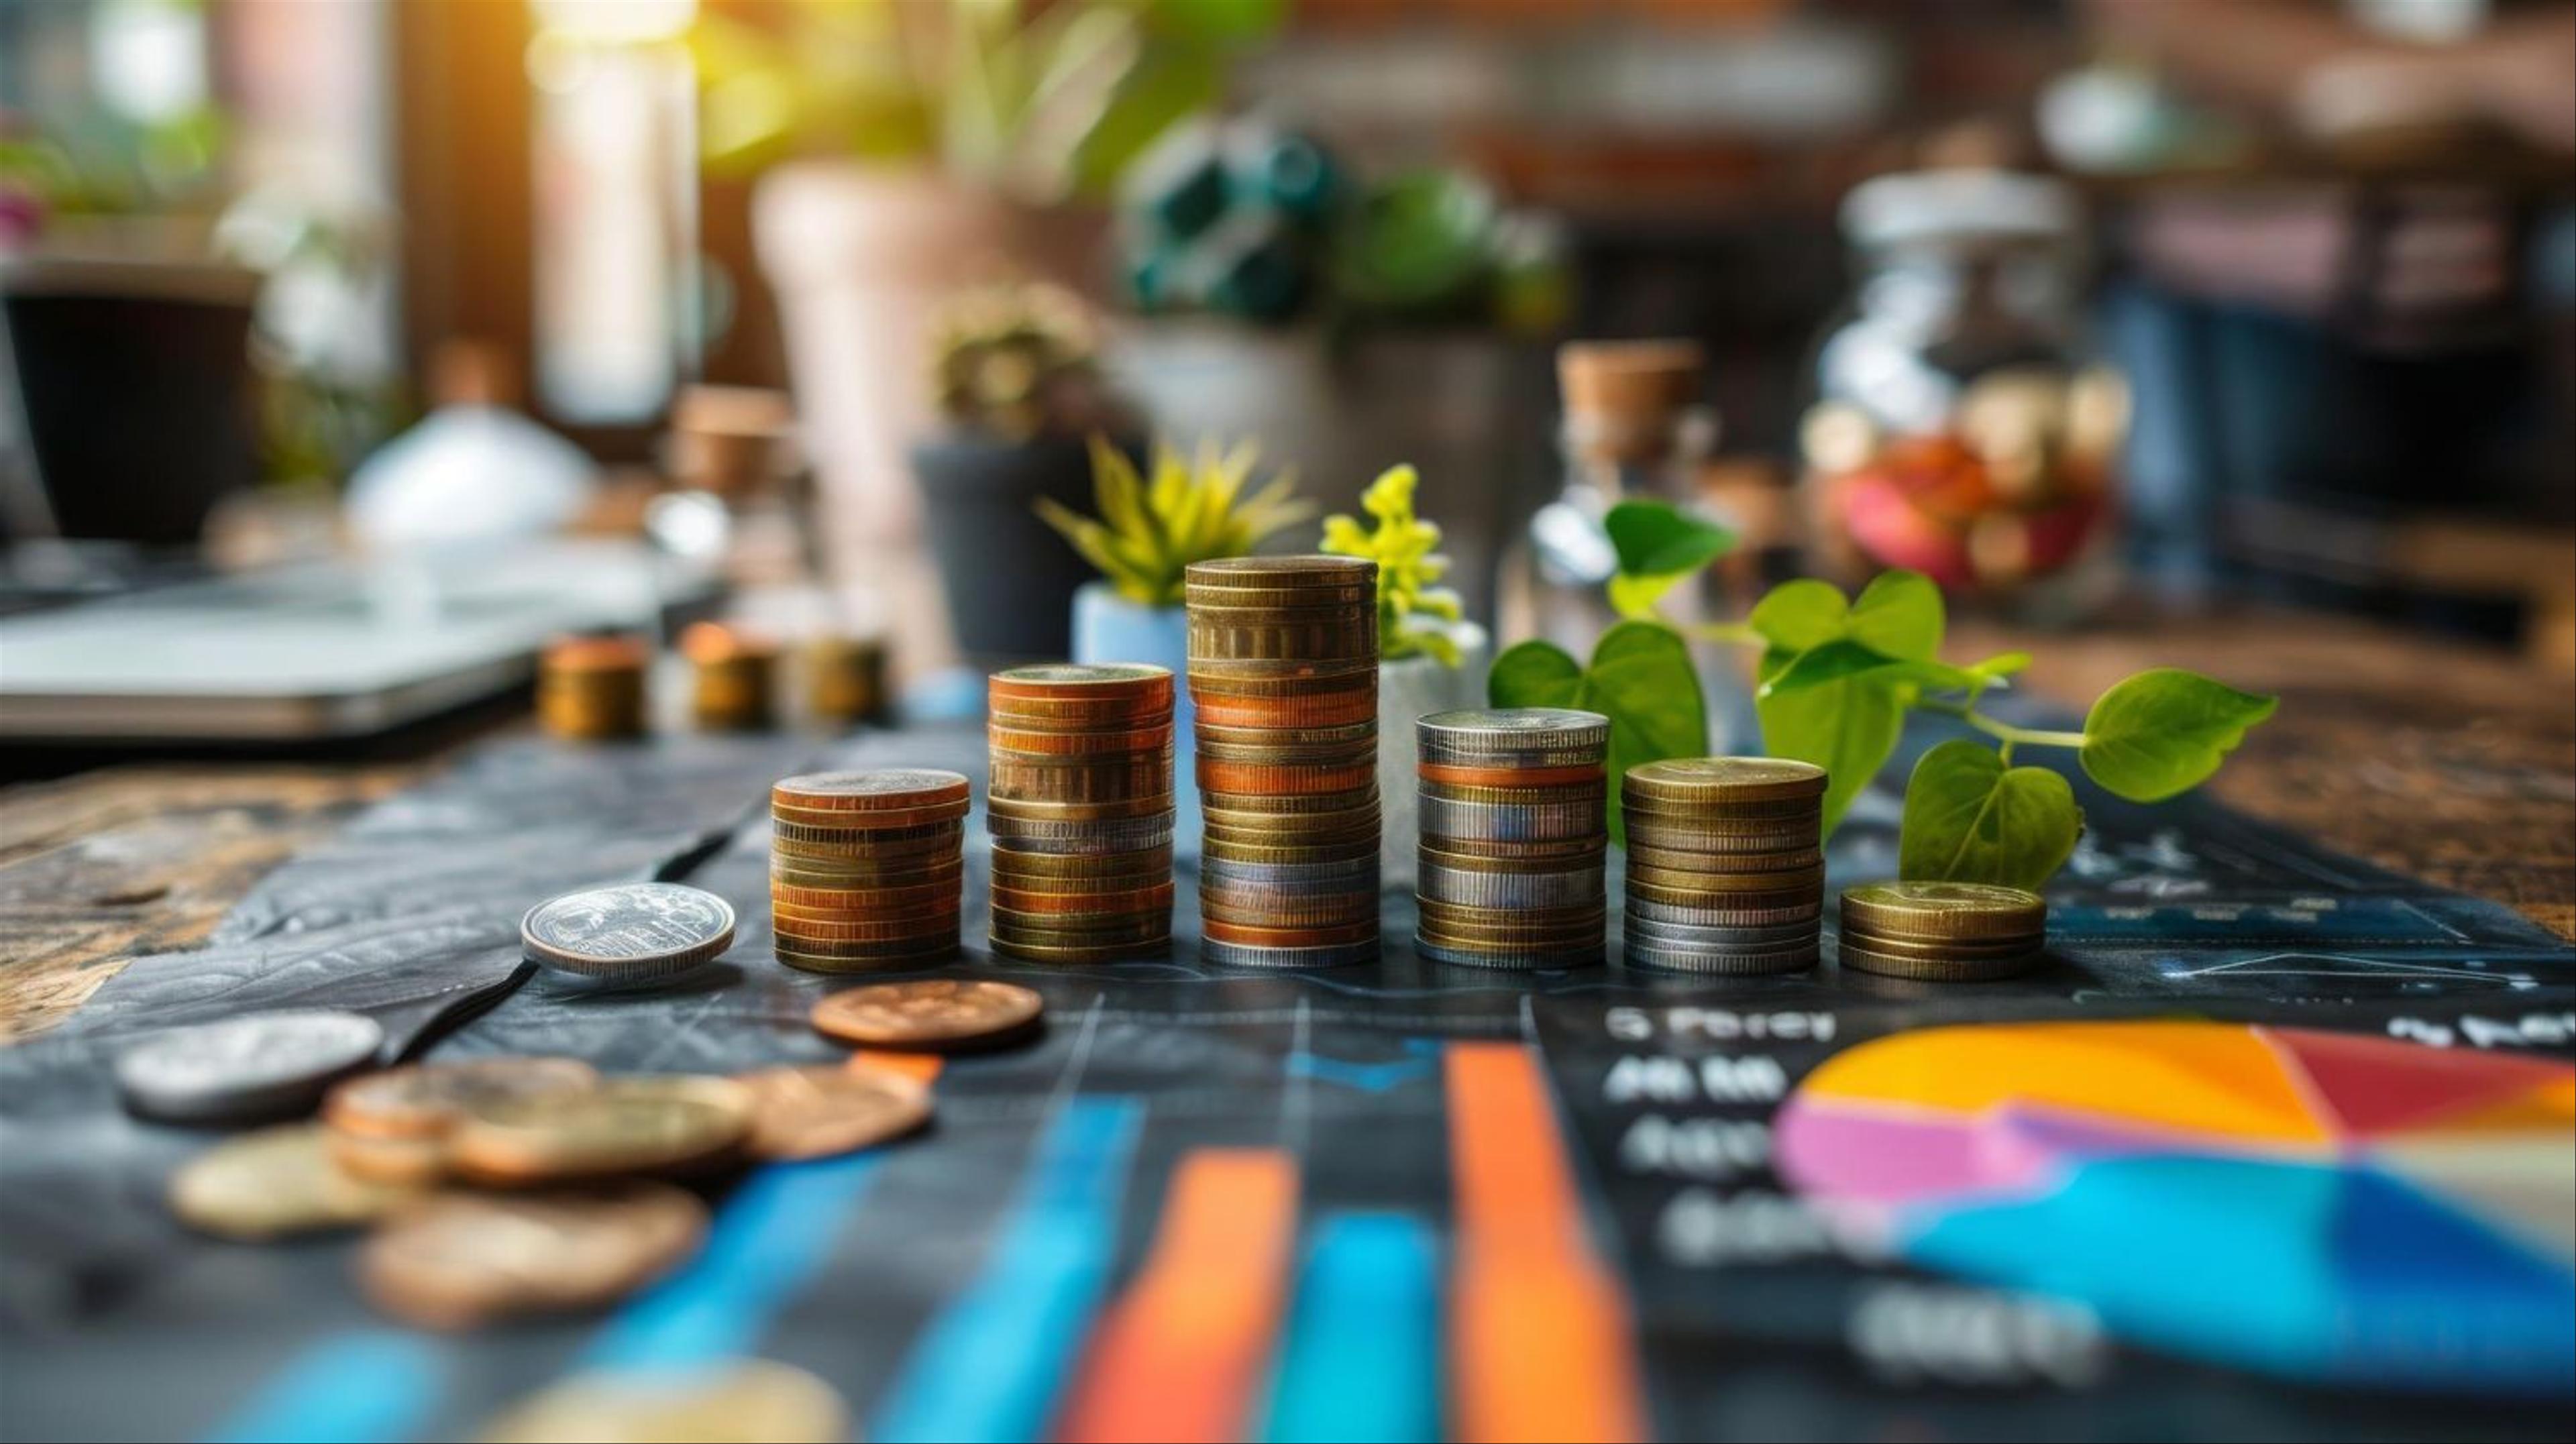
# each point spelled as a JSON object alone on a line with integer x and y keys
{"x": 617, "y": 328}
{"x": 149, "y": 58}
{"x": 2421, "y": 20}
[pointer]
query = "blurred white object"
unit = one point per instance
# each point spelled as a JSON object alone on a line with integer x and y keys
{"x": 471, "y": 471}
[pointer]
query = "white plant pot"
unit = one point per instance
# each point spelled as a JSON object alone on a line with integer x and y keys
{"x": 1109, "y": 628}
{"x": 1407, "y": 691}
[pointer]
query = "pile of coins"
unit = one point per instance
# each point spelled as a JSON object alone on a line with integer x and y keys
{"x": 1514, "y": 836}
{"x": 1283, "y": 673}
{"x": 1726, "y": 872}
{"x": 867, "y": 869}
{"x": 733, "y": 678}
{"x": 1942, "y": 932}
{"x": 591, "y": 688}
{"x": 1080, "y": 808}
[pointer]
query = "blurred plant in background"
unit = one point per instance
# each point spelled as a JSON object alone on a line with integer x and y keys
{"x": 1042, "y": 101}
{"x": 1194, "y": 510}
{"x": 1020, "y": 361}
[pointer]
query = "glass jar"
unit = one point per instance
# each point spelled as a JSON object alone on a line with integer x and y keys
{"x": 1963, "y": 426}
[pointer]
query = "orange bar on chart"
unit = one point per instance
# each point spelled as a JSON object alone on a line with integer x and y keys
{"x": 1541, "y": 1342}
{"x": 1183, "y": 1352}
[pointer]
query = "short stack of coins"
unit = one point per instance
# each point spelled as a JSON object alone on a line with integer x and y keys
{"x": 732, "y": 677}
{"x": 1515, "y": 832}
{"x": 1080, "y": 808}
{"x": 1283, "y": 674}
{"x": 592, "y": 688}
{"x": 867, "y": 869}
{"x": 1942, "y": 932}
{"x": 1726, "y": 872}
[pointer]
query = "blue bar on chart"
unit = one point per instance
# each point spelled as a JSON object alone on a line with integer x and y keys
{"x": 1361, "y": 1358}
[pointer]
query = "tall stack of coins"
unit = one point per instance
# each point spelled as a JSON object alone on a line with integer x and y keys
{"x": 1726, "y": 872}
{"x": 591, "y": 688}
{"x": 1942, "y": 932}
{"x": 1514, "y": 833}
{"x": 1283, "y": 672}
{"x": 867, "y": 869}
{"x": 1080, "y": 809}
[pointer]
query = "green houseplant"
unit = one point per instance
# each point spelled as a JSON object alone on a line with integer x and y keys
{"x": 1838, "y": 674}
{"x": 1430, "y": 658}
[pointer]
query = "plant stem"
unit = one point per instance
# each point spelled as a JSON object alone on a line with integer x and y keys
{"x": 1741, "y": 633}
{"x": 2005, "y": 732}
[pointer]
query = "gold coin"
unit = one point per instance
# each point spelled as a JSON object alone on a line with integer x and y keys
{"x": 645, "y": 1124}
{"x": 1694, "y": 893}
{"x": 739, "y": 1401}
{"x": 884, "y": 789}
{"x": 407, "y": 1162}
{"x": 274, "y": 1183}
{"x": 1016, "y": 810}
{"x": 1583, "y": 857}
{"x": 830, "y": 1108}
{"x": 1143, "y": 861}
{"x": 1943, "y": 948}
{"x": 1942, "y": 910}
{"x": 1717, "y": 781}
{"x": 825, "y": 825}
{"x": 1851, "y": 953}
{"x": 456, "y": 1260}
{"x": 1006, "y": 741}
{"x": 1247, "y": 715}
{"x": 1082, "y": 952}
{"x": 426, "y": 1100}
{"x": 929, "y": 1013}
{"x": 1725, "y": 864}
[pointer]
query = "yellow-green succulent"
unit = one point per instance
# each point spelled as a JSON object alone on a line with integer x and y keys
{"x": 1413, "y": 615}
{"x": 1193, "y": 510}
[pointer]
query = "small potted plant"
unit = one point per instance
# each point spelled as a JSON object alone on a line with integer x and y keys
{"x": 1429, "y": 658}
{"x": 1147, "y": 533}
{"x": 1013, "y": 368}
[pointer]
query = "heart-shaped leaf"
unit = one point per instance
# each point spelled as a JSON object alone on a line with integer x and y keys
{"x": 1640, "y": 678}
{"x": 1800, "y": 614}
{"x": 1900, "y": 614}
{"x": 2165, "y": 731}
{"x": 1969, "y": 818}
{"x": 1845, "y": 657}
{"x": 1847, "y": 726}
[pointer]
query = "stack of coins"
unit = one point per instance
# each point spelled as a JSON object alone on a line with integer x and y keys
{"x": 1514, "y": 832}
{"x": 1726, "y": 872}
{"x": 590, "y": 688}
{"x": 1283, "y": 672}
{"x": 1942, "y": 932}
{"x": 845, "y": 679}
{"x": 733, "y": 674}
{"x": 867, "y": 869}
{"x": 1080, "y": 810}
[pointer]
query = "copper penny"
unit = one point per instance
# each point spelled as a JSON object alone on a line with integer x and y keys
{"x": 455, "y": 1260}
{"x": 929, "y": 1013}
{"x": 1458, "y": 775}
{"x": 827, "y": 1109}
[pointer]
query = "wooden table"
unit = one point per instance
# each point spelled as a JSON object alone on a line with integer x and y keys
{"x": 2428, "y": 757}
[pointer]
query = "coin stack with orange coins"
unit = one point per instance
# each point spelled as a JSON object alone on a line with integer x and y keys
{"x": 867, "y": 869}
{"x": 1726, "y": 868}
{"x": 1283, "y": 674}
{"x": 733, "y": 677}
{"x": 1514, "y": 836}
{"x": 590, "y": 689}
{"x": 1080, "y": 808}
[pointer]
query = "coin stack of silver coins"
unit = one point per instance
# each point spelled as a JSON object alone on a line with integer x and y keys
{"x": 1514, "y": 834}
{"x": 867, "y": 869}
{"x": 1283, "y": 673}
{"x": 1080, "y": 809}
{"x": 1726, "y": 870}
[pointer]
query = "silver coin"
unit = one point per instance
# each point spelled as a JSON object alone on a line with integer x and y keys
{"x": 1725, "y": 939}
{"x": 1360, "y": 870}
{"x": 1725, "y": 917}
{"x": 1248, "y": 955}
{"x": 1511, "y": 822}
{"x": 1638, "y": 953}
{"x": 1508, "y": 731}
{"x": 1573, "y": 887}
{"x": 630, "y": 932}
{"x": 1517, "y": 959}
{"x": 248, "y": 1069}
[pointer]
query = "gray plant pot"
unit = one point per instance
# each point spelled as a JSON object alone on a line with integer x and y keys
{"x": 1009, "y": 578}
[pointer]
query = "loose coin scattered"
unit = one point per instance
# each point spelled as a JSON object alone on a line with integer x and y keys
{"x": 650, "y": 1124}
{"x": 246, "y": 1069}
{"x": 741, "y": 1401}
{"x": 632, "y": 932}
{"x": 827, "y": 1109}
{"x": 274, "y": 1183}
{"x": 456, "y": 1260}
{"x": 392, "y": 1126}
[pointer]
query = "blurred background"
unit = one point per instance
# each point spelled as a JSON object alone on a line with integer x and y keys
{"x": 797, "y": 308}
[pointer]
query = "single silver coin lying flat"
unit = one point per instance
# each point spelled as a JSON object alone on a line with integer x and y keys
{"x": 630, "y": 932}
{"x": 247, "y": 1069}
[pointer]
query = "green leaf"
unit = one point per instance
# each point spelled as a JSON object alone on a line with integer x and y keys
{"x": 1640, "y": 678}
{"x": 2000, "y": 666}
{"x": 1898, "y": 613}
{"x": 1845, "y": 658}
{"x": 1847, "y": 726}
{"x": 1801, "y": 614}
{"x": 1656, "y": 539}
{"x": 1969, "y": 818}
{"x": 2165, "y": 731}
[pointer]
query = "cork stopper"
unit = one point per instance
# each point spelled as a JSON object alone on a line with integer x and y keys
{"x": 1623, "y": 398}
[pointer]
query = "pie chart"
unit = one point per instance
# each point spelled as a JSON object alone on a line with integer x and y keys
{"x": 2325, "y": 1207}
